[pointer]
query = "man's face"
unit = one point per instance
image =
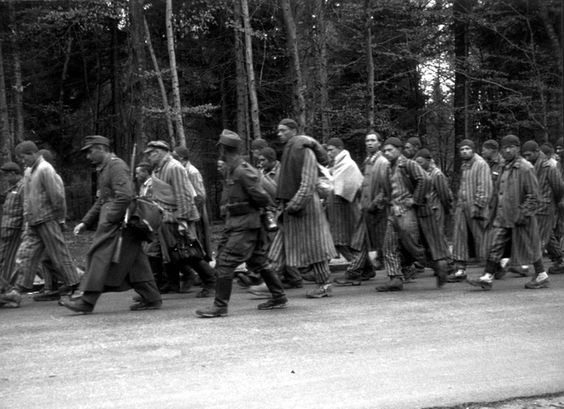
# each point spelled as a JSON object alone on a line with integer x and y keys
{"x": 285, "y": 133}
{"x": 488, "y": 153}
{"x": 423, "y": 162}
{"x": 509, "y": 152}
{"x": 265, "y": 164}
{"x": 559, "y": 151}
{"x": 466, "y": 153}
{"x": 391, "y": 153}
{"x": 332, "y": 151}
{"x": 372, "y": 143}
{"x": 155, "y": 156}
{"x": 10, "y": 177}
{"x": 409, "y": 150}
{"x": 95, "y": 154}
{"x": 141, "y": 175}
{"x": 531, "y": 156}
{"x": 27, "y": 159}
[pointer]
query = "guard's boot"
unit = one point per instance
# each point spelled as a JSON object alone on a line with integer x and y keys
{"x": 441, "y": 268}
{"x": 274, "y": 284}
{"x": 223, "y": 289}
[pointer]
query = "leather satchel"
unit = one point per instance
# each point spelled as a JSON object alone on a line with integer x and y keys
{"x": 146, "y": 217}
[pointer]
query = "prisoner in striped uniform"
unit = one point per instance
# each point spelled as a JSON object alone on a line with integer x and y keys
{"x": 344, "y": 213}
{"x": 409, "y": 187}
{"x": 516, "y": 199}
{"x": 375, "y": 192}
{"x": 44, "y": 212}
{"x": 551, "y": 188}
{"x": 440, "y": 197}
{"x": 304, "y": 238}
{"x": 11, "y": 225}
{"x": 473, "y": 199}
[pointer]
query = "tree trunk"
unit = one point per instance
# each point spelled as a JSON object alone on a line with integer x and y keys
{"x": 243, "y": 126}
{"x": 461, "y": 9}
{"x": 369, "y": 65}
{"x": 162, "y": 88}
{"x": 137, "y": 89}
{"x": 116, "y": 112}
{"x": 6, "y": 141}
{"x": 250, "y": 70}
{"x": 177, "y": 110}
{"x": 297, "y": 79}
{"x": 18, "y": 85}
{"x": 321, "y": 65}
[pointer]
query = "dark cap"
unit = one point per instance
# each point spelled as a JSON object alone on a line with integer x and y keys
{"x": 336, "y": 142}
{"x": 530, "y": 146}
{"x": 11, "y": 167}
{"x": 182, "y": 151}
{"x": 467, "y": 142}
{"x": 259, "y": 144}
{"x": 290, "y": 123}
{"x": 229, "y": 138}
{"x": 423, "y": 153}
{"x": 510, "y": 140}
{"x": 415, "y": 141}
{"x": 157, "y": 145}
{"x": 394, "y": 142}
{"x": 94, "y": 140}
{"x": 491, "y": 144}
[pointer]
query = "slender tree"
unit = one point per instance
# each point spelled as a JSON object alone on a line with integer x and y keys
{"x": 369, "y": 64}
{"x": 250, "y": 69}
{"x": 5, "y": 135}
{"x": 18, "y": 84}
{"x": 177, "y": 110}
{"x": 243, "y": 126}
{"x": 159, "y": 76}
{"x": 296, "y": 71}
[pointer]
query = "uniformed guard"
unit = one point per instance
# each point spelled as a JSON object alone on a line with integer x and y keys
{"x": 244, "y": 239}
{"x": 108, "y": 267}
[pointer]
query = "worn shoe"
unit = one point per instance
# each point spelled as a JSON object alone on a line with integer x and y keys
{"x": 79, "y": 306}
{"x": 274, "y": 303}
{"x": 324, "y": 290}
{"x": 47, "y": 296}
{"x": 349, "y": 279}
{"x": 137, "y": 298}
{"x": 205, "y": 293}
{"x": 10, "y": 299}
{"x": 288, "y": 285}
{"x": 395, "y": 284}
{"x": 212, "y": 312}
{"x": 169, "y": 288}
{"x": 484, "y": 282}
{"x": 144, "y": 305}
{"x": 557, "y": 268}
{"x": 535, "y": 284}
{"x": 457, "y": 277}
{"x": 185, "y": 287}
{"x": 260, "y": 290}
{"x": 367, "y": 275}
{"x": 522, "y": 271}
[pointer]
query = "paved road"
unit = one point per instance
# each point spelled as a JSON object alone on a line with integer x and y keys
{"x": 359, "y": 349}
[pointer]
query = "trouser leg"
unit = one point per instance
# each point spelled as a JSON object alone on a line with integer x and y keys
{"x": 272, "y": 282}
{"x": 321, "y": 272}
{"x": 58, "y": 253}
{"x": 205, "y": 271}
{"x": 147, "y": 290}
{"x": 91, "y": 297}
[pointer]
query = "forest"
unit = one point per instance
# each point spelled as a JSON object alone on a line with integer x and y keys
{"x": 182, "y": 71}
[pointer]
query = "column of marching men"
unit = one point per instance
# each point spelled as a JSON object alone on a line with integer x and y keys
{"x": 285, "y": 220}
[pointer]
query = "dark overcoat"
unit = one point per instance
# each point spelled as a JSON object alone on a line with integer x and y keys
{"x": 114, "y": 194}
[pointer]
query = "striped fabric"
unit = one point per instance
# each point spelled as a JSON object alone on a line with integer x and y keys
{"x": 172, "y": 172}
{"x": 551, "y": 188}
{"x": 375, "y": 192}
{"x": 12, "y": 209}
{"x": 10, "y": 240}
{"x": 45, "y": 237}
{"x": 196, "y": 179}
{"x": 475, "y": 190}
{"x": 440, "y": 197}
{"x": 303, "y": 238}
{"x": 402, "y": 245}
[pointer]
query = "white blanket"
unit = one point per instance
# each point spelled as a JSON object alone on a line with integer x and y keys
{"x": 347, "y": 176}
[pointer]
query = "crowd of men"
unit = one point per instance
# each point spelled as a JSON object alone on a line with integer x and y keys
{"x": 285, "y": 219}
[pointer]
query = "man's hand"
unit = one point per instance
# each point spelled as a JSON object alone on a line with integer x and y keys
{"x": 79, "y": 228}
